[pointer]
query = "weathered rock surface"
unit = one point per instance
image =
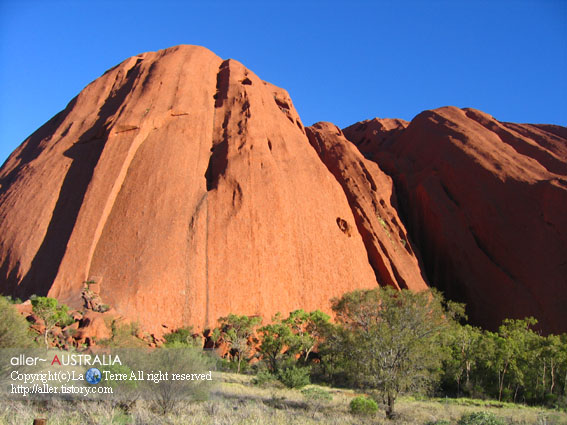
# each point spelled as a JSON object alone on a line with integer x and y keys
{"x": 182, "y": 188}
{"x": 185, "y": 188}
{"x": 370, "y": 194}
{"x": 486, "y": 203}
{"x": 93, "y": 327}
{"x": 87, "y": 328}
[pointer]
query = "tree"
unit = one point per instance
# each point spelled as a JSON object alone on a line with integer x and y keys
{"x": 237, "y": 331}
{"x": 462, "y": 344}
{"x": 391, "y": 338}
{"x": 287, "y": 343}
{"x": 512, "y": 347}
{"x": 278, "y": 343}
{"x": 554, "y": 359}
{"x": 308, "y": 328}
{"x": 51, "y": 312}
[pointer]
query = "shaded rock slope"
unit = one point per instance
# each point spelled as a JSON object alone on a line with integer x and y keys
{"x": 186, "y": 188}
{"x": 370, "y": 195}
{"x": 486, "y": 203}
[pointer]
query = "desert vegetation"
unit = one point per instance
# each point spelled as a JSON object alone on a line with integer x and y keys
{"x": 14, "y": 331}
{"x": 51, "y": 313}
{"x": 389, "y": 343}
{"x": 236, "y": 400}
{"x": 388, "y": 356}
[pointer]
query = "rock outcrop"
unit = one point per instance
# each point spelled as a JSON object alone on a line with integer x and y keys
{"x": 486, "y": 204}
{"x": 179, "y": 187}
{"x": 184, "y": 188}
{"x": 372, "y": 200}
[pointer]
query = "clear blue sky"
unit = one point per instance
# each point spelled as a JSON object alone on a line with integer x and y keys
{"x": 340, "y": 61}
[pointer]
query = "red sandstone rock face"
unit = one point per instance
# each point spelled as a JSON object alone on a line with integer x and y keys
{"x": 486, "y": 203}
{"x": 370, "y": 194}
{"x": 186, "y": 188}
{"x": 93, "y": 327}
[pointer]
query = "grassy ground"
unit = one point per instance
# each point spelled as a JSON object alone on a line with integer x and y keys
{"x": 236, "y": 401}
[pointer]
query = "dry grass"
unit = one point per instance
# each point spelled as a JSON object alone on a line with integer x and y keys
{"x": 236, "y": 401}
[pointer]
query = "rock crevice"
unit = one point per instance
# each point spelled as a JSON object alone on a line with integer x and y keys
{"x": 366, "y": 187}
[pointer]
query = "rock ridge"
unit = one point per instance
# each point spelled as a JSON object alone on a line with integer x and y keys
{"x": 486, "y": 203}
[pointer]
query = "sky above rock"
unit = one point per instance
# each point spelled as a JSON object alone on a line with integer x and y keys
{"x": 340, "y": 61}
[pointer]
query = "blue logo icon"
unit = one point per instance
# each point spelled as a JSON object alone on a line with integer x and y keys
{"x": 93, "y": 376}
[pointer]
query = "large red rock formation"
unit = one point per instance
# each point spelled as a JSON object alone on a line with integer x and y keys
{"x": 186, "y": 188}
{"x": 370, "y": 194}
{"x": 486, "y": 203}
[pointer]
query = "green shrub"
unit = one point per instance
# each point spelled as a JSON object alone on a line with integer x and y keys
{"x": 263, "y": 377}
{"x": 180, "y": 337}
{"x": 237, "y": 332}
{"x": 480, "y": 418}
{"x": 123, "y": 335}
{"x": 316, "y": 394}
{"x": 317, "y": 398}
{"x": 294, "y": 377}
{"x": 225, "y": 365}
{"x": 168, "y": 394}
{"x": 52, "y": 313}
{"x": 14, "y": 331}
{"x": 363, "y": 406}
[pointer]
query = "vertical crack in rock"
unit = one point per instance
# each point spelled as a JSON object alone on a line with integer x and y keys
{"x": 231, "y": 106}
{"x": 219, "y": 151}
{"x": 218, "y": 162}
{"x": 207, "y": 285}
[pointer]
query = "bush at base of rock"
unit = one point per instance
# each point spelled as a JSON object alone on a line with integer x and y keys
{"x": 124, "y": 335}
{"x": 363, "y": 406}
{"x": 52, "y": 314}
{"x": 180, "y": 337}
